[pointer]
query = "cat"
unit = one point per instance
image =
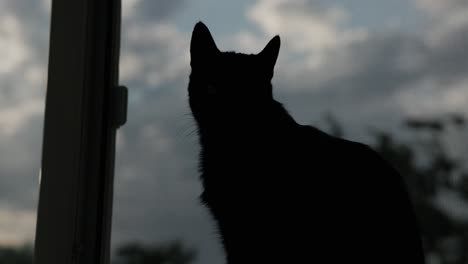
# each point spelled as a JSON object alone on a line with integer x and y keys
{"x": 284, "y": 192}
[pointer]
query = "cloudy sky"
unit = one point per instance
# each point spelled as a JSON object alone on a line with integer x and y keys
{"x": 370, "y": 63}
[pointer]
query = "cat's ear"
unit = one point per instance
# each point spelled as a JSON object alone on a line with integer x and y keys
{"x": 270, "y": 53}
{"x": 202, "y": 44}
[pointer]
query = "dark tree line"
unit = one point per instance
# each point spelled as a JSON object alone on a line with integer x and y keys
{"x": 429, "y": 168}
{"x": 21, "y": 255}
{"x": 173, "y": 252}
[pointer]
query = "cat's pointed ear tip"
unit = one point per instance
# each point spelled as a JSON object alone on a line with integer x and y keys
{"x": 277, "y": 40}
{"x": 200, "y": 26}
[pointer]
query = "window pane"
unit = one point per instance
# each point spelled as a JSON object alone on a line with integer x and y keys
{"x": 391, "y": 74}
{"x": 24, "y": 40}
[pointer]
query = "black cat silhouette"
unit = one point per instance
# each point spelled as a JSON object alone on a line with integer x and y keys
{"x": 281, "y": 192}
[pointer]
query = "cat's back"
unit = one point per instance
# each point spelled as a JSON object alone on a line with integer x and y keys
{"x": 359, "y": 197}
{"x": 345, "y": 171}
{"x": 306, "y": 145}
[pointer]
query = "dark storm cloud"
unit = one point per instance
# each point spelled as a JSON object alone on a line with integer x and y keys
{"x": 447, "y": 59}
{"x": 150, "y": 10}
{"x": 19, "y": 164}
{"x": 365, "y": 80}
{"x": 384, "y": 66}
{"x": 34, "y": 17}
{"x": 442, "y": 8}
{"x": 22, "y": 98}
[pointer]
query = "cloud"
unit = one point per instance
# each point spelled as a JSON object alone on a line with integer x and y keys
{"x": 23, "y": 68}
{"x": 24, "y": 49}
{"x": 365, "y": 77}
{"x": 313, "y": 28}
{"x": 152, "y": 53}
{"x": 13, "y": 118}
{"x": 147, "y": 10}
{"x": 426, "y": 97}
{"x": 20, "y": 155}
{"x": 13, "y": 50}
{"x": 16, "y": 226}
{"x": 437, "y": 7}
{"x": 157, "y": 10}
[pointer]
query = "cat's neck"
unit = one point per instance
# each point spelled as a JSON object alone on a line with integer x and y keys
{"x": 270, "y": 121}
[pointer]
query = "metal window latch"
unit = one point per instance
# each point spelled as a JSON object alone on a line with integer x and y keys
{"x": 120, "y": 105}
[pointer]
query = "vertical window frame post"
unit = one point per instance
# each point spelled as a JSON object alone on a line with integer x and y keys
{"x": 84, "y": 107}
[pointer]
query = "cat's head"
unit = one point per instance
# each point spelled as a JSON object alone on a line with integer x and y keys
{"x": 228, "y": 84}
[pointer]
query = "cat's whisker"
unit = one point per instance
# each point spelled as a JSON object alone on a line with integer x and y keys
{"x": 192, "y": 132}
{"x": 187, "y": 128}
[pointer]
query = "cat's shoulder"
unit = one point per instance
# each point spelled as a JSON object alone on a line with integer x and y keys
{"x": 317, "y": 136}
{"x": 340, "y": 147}
{"x": 352, "y": 156}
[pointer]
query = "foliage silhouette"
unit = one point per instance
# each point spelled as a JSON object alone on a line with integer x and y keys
{"x": 10, "y": 255}
{"x": 174, "y": 252}
{"x": 444, "y": 237}
{"x": 171, "y": 253}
